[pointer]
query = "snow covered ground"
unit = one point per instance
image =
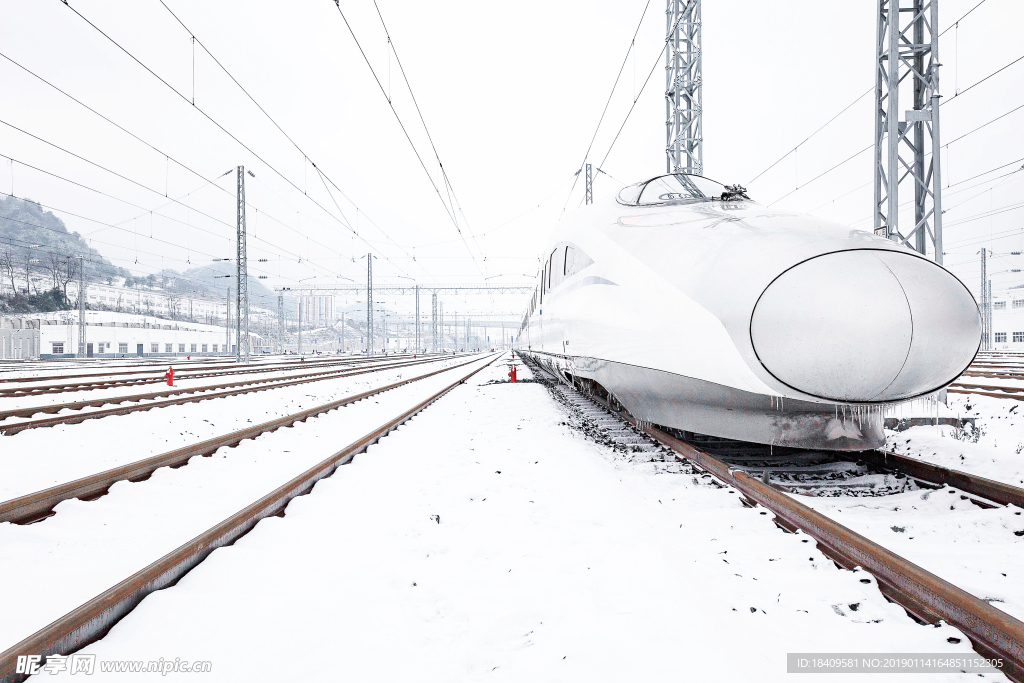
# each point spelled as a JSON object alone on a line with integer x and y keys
{"x": 979, "y": 550}
{"x": 488, "y": 540}
{"x": 52, "y": 567}
{"x": 181, "y": 382}
{"x": 38, "y": 458}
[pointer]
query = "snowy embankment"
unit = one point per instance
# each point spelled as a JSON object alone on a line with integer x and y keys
{"x": 486, "y": 539}
{"x": 35, "y": 459}
{"x": 979, "y": 550}
{"x": 52, "y": 567}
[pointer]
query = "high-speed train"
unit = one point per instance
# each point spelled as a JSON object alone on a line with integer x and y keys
{"x": 701, "y": 310}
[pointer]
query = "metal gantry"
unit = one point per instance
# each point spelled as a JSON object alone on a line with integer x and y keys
{"x": 684, "y": 131}
{"x": 369, "y": 304}
{"x": 242, "y": 278}
{"x": 81, "y": 307}
{"x": 280, "y": 323}
{"x": 907, "y": 149}
{"x": 433, "y": 319}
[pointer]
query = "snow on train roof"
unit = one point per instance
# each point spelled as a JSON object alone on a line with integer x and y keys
{"x": 672, "y": 188}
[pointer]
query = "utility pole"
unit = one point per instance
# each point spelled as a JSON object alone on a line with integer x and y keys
{"x": 369, "y": 304}
{"x": 227, "y": 322}
{"x": 343, "y": 331}
{"x": 908, "y": 55}
{"x": 81, "y": 307}
{"x": 417, "y": 318}
{"x": 590, "y": 185}
{"x": 986, "y": 320}
{"x": 300, "y": 324}
{"x": 280, "y": 323}
{"x": 684, "y": 142}
{"x": 241, "y": 271}
{"x": 433, "y": 318}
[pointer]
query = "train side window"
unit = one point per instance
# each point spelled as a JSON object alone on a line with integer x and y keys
{"x": 575, "y": 260}
{"x": 556, "y": 272}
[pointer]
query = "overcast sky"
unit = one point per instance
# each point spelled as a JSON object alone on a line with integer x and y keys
{"x": 511, "y": 96}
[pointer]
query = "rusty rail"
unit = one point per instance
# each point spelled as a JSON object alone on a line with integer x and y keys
{"x": 29, "y": 411}
{"x": 997, "y": 491}
{"x": 142, "y": 368}
{"x": 39, "y": 505}
{"x": 260, "y": 385}
{"x": 953, "y": 390}
{"x": 924, "y": 595}
{"x": 91, "y": 621}
{"x": 107, "y": 382}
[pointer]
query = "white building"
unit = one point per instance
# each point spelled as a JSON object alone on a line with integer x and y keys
{"x": 316, "y": 309}
{"x": 1008, "y": 320}
{"x": 113, "y": 335}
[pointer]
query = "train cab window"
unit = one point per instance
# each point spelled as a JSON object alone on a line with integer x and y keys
{"x": 675, "y": 188}
{"x": 575, "y": 260}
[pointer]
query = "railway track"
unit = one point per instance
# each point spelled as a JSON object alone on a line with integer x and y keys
{"x": 92, "y": 620}
{"x": 987, "y": 390}
{"x": 925, "y": 596}
{"x": 141, "y": 368}
{"x": 201, "y": 393}
{"x": 106, "y": 382}
{"x": 40, "y": 505}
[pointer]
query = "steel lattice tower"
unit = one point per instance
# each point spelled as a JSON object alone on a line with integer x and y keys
{"x": 684, "y": 131}
{"x": 280, "y": 323}
{"x": 907, "y": 141}
{"x": 370, "y": 304}
{"x": 242, "y": 278}
{"x": 433, "y": 318}
{"x": 81, "y": 307}
{"x": 417, "y": 318}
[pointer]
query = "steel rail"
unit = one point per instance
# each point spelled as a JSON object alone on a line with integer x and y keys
{"x": 92, "y": 620}
{"x": 18, "y": 392}
{"x": 201, "y": 395}
{"x": 997, "y": 491}
{"x": 105, "y": 400}
{"x": 926, "y": 597}
{"x": 39, "y": 505}
{"x": 953, "y": 390}
{"x": 993, "y": 633}
{"x": 144, "y": 367}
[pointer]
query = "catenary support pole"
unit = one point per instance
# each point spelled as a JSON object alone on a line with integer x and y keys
{"x": 907, "y": 146}
{"x": 241, "y": 276}
{"x": 81, "y": 307}
{"x": 684, "y": 130}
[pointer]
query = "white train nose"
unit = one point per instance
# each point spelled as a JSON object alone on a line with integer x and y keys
{"x": 866, "y": 325}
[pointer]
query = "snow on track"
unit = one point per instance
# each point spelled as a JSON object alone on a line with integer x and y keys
{"x": 52, "y": 567}
{"x": 39, "y": 458}
{"x": 485, "y": 539}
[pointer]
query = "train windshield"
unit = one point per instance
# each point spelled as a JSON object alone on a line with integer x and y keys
{"x": 676, "y": 188}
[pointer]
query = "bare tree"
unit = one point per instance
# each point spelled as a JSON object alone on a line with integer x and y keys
{"x": 68, "y": 272}
{"x": 7, "y": 266}
{"x": 173, "y": 303}
{"x": 54, "y": 263}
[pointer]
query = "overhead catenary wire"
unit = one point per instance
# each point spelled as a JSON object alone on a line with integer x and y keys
{"x": 615, "y": 84}
{"x": 449, "y": 210}
{"x": 444, "y": 173}
{"x": 206, "y": 115}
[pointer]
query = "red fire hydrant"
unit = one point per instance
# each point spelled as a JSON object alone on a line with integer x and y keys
{"x": 169, "y": 376}
{"x": 512, "y": 374}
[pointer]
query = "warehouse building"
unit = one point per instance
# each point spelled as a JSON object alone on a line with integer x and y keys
{"x": 113, "y": 335}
